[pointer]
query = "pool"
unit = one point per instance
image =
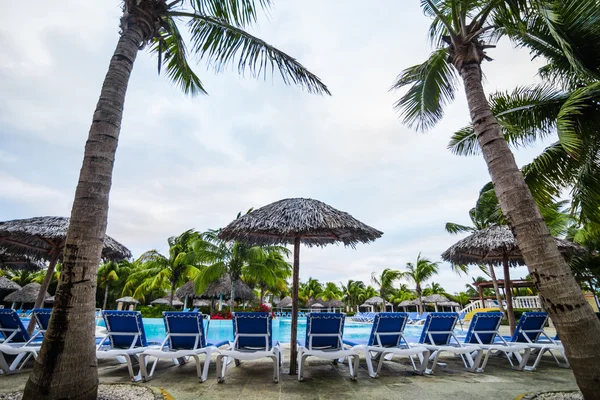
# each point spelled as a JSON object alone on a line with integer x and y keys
{"x": 220, "y": 330}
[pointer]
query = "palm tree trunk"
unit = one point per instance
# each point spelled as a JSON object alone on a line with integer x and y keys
{"x": 232, "y": 295}
{"x": 39, "y": 301}
{"x": 66, "y": 366}
{"x": 172, "y": 293}
{"x": 295, "y": 279}
{"x": 577, "y": 325}
{"x": 496, "y": 289}
{"x": 262, "y": 294}
{"x": 105, "y": 296}
{"x": 508, "y": 293}
{"x": 420, "y": 299}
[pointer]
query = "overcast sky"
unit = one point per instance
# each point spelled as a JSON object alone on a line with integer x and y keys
{"x": 196, "y": 162}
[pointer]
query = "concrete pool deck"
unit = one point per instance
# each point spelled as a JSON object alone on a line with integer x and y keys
{"x": 324, "y": 380}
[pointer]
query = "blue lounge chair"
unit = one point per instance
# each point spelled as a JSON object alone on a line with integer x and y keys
{"x": 253, "y": 339}
{"x": 185, "y": 338}
{"x": 483, "y": 332}
{"x": 324, "y": 333}
{"x": 17, "y": 342}
{"x": 42, "y": 318}
{"x": 125, "y": 338}
{"x": 413, "y": 316}
{"x": 438, "y": 337}
{"x": 387, "y": 337}
{"x": 530, "y": 330}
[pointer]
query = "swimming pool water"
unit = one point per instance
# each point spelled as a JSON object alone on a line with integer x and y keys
{"x": 221, "y": 330}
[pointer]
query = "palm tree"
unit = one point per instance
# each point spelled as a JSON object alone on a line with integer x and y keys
{"x": 276, "y": 282}
{"x": 351, "y": 292}
{"x": 462, "y": 30}
{"x": 385, "y": 282}
{"x": 367, "y": 293}
{"x": 311, "y": 289}
{"x": 461, "y": 298}
{"x": 234, "y": 259}
{"x": 107, "y": 273}
{"x": 216, "y": 35}
{"x": 331, "y": 292}
{"x": 434, "y": 288}
{"x": 419, "y": 273}
{"x": 165, "y": 273}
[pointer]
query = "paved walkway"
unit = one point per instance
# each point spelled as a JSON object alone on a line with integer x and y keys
{"x": 323, "y": 380}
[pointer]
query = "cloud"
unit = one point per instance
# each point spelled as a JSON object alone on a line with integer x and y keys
{"x": 196, "y": 162}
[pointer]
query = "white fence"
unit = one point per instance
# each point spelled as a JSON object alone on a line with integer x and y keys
{"x": 532, "y": 302}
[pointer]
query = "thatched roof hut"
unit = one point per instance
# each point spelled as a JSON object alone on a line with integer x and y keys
{"x": 201, "y": 303}
{"x": 37, "y": 237}
{"x": 223, "y": 287}
{"x": 435, "y": 298}
{"x": 8, "y": 285}
{"x": 186, "y": 290}
{"x": 448, "y": 304}
{"x": 285, "y": 302}
{"x": 335, "y": 304}
{"x": 408, "y": 303}
{"x": 317, "y": 305}
{"x": 127, "y": 299}
{"x": 372, "y": 301}
{"x": 16, "y": 261}
{"x": 49, "y": 300}
{"x": 27, "y": 294}
{"x": 491, "y": 245}
{"x": 167, "y": 301}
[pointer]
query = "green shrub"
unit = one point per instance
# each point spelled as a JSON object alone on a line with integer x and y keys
{"x": 155, "y": 311}
{"x": 350, "y": 313}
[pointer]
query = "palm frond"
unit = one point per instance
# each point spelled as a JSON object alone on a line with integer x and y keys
{"x": 221, "y": 44}
{"x": 238, "y": 12}
{"x": 453, "y": 228}
{"x": 432, "y": 86}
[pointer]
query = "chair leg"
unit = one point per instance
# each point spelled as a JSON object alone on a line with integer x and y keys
{"x": 301, "y": 367}
{"x": 353, "y": 365}
{"x": 4, "y": 367}
{"x": 434, "y": 358}
{"x": 207, "y": 357}
{"x": 275, "y": 359}
{"x": 221, "y": 368}
{"x": 424, "y": 357}
{"x": 143, "y": 370}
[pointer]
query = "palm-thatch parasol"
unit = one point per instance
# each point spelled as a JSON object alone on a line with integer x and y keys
{"x": 409, "y": 303}
{"x": 49, "y": 300}
{"x": 187, "y": 291}
{"x": 201, "y": 303}
{"x": 496, "y": 245}
{"x": 296, "y": 221}
{"x": 43, "y": 238}
{"x": 167, "y": 301}
{"x": 373, "y": 301}
{"x": 19, "y": 261}
{"x": 285, "y": 303}
{"x": 7, "y": 286}
{"x": 435, "y": 299}
{"x": 127, "y": 300}
{"x": 27, "y": 294}
{"x": 222, "y": 287}
{"x": 335, "y": 304}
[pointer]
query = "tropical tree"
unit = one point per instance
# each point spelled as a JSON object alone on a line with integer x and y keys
{"x": 419, "y": 273}
{"x": 166, "y": 273}
{"x": 461, "y": 298}
{"x": 234, "y": 259}
{"x": 331, "y": 292}
{"x": 462, "y": 31}
{"x": 66, "y": 366}
{"x": 434, "y": 288}
{"x": 367, "y": 293}
{"x": 311, "y": 289}
{"x": 351, "y": 292}
{"x": 401, "y": 294}
{"x": 385, "y": 282}
{"x": 108, "y": 273}
{"x": 275, "y": 283}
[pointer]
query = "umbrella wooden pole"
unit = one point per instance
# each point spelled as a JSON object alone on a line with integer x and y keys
{"x": 296, "y": 277}
{"x": 44, "y": 288}
{"x": 508, "y": 295}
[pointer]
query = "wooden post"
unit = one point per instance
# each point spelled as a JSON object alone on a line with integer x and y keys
{"x": 509, "y": 295}
{"x": 296, "y": 278}
{"x": 39, "y": 302}
{"x": 480, "y": 290}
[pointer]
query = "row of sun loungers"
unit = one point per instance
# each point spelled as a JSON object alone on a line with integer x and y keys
{"x": 185, "y": 339}
{"x": 288, "y": 314}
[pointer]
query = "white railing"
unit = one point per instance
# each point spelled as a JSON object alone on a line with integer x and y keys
{"x": 527, "y": 302}
{"x": 532, "y": 302}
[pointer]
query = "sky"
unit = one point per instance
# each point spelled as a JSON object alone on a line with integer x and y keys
{"x": 187, "y": 163}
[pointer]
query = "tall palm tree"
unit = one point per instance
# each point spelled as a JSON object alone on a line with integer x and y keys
{"x": 434, "y": 288}
{"x": 107, "y": 273}
{"x": 66, "y": 367}
{"x": 419, "y": 273}
{"x": 276, "y": 282}
{"x": 331, "y": 292}
{"x": 233, "y": 259}
{"x": 462, "y": 30}
{"x": 367, "y": 293}
{"x": 312, "y": 289}
{"x": 165, "y": 273}
{"x": 351, "y": 291}
{"x": 385, "y": 282}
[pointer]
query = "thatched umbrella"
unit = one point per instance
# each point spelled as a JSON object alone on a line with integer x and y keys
{"x": 335, "y": 304}
{"x": 7, "y": 286}
{"x": 317, "y": 305}
{"x": 43, "y": 238}
{"x": 285, "y": 303}
{"x": 187, "y": 291}
{"x": 167, "y": 301}
{"x": 49, "y": 300}
{"x": 127, "y": 300}
{"x": 201, "y": 303}
{"x": 494, "y": 246}
{"x": 222, "y": 287}
{"x": 373, "y": 301}
{"x": 296, "y": 221}
{"x": 27, "y": 294}
{"x": 435, "y": 299}
{"x": 19, "y": 261}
